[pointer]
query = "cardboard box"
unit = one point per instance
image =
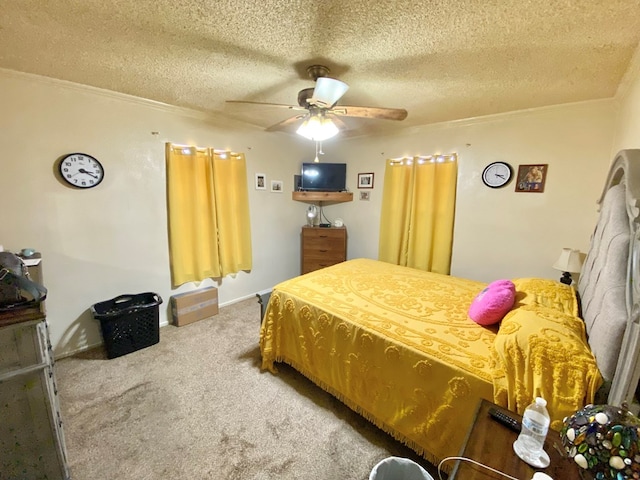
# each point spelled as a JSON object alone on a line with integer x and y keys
{"x": 190, "y": 307}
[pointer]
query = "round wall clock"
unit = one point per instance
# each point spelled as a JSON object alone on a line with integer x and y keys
{"x": 497, "y": 174}
{"x": 81, "y": 170}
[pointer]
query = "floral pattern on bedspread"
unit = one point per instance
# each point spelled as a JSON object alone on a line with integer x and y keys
{"x": 542, "y": 351}
{"x": 428, "y": 303}
{"x": 411, "y": 362}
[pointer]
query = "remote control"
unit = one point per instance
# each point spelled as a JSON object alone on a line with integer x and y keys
{"x": 505, "y": 419}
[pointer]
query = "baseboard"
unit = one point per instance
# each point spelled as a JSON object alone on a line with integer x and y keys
{"x": 164, "y": 323}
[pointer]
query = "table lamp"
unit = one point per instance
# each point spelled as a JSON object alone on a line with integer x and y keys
{"x": 570, "y": 261}
{"x": 603, "y": 441}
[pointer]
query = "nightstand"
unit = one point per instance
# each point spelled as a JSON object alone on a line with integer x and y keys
{"x": 491, "y": 443}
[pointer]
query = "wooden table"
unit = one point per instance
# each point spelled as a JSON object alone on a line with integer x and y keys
{"x": 491, "y": 443}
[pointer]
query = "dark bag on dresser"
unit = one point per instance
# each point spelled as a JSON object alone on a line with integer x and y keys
{"x": 17, "y": 290}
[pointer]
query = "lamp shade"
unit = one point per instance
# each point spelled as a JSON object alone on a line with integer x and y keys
{"x": 327, "y": 92}
{"x": 570, "y": 260}
{"x": 318, "y": 128}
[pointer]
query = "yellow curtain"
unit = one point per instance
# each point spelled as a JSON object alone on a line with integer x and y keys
{"x": 418, "y": 207}
{"x": 208, "y": 210}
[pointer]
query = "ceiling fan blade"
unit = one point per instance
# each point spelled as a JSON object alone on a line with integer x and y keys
{"x": 261, "y": 104}
{"x": 346, "y": 131}
{"x": 327, "y": 92}
{"x": 370, "y": 112}
{"x": 338, "y": 123}
{"x": 288, "y": 125}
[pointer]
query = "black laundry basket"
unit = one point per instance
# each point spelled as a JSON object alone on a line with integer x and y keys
{"x": 128, "y": 322}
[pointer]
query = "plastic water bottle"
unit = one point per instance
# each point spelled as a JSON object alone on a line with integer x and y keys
{"x": 535, "y": 425}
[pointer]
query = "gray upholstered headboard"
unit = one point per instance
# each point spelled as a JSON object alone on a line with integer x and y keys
{"x": 608, "y": 286}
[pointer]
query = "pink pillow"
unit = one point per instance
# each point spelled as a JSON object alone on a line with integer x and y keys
{"x": 493, "y": 303}
{"x": 504, "y": 283}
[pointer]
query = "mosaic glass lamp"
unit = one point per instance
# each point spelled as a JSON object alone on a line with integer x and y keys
{"x": 604, "y": 441}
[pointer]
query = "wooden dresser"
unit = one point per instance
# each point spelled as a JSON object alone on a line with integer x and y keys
{"x": 322, "y": 247}
{"x": 31, "y": 435}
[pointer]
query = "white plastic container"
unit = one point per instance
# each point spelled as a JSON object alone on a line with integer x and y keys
{"x": 398, "y": 468}
{"x": 530, "y": 443}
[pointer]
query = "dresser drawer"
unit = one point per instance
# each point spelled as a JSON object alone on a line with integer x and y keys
{"x": 20, "y": 346}
{"x": 324, "y": 257}
{"x": 312, "y": 266}
{"x": 323, "y": 234}
{"x": 323, "y": 244}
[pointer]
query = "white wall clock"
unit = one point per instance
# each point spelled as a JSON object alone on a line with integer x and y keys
{"x": 497, "y": 174}
{"x": 81, "y": 170}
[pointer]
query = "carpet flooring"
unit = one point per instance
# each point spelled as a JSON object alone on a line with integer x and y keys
{"x": 197, "y": 406}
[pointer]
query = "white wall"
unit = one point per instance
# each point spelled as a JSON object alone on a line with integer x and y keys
{"x": 500, "y": 233}
{"x": 112, "y": 239}
{"x": 628, "y": 101}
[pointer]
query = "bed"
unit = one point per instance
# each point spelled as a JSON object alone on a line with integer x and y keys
{"x": 397, "y": 345}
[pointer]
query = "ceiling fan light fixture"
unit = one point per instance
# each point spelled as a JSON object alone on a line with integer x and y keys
{"x": 327, "y": 92}
{"x": 322, "y": 100}
{"x": 318, "y": 128}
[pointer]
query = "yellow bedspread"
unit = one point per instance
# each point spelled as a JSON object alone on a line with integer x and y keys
{"x": 394, "y": 344}
{"x": 541, "y": 350}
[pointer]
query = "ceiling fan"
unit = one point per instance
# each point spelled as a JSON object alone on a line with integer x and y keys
{"x": 321, "y": 117}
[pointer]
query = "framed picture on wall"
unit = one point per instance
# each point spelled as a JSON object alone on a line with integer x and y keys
{"x": 531, "y": 178}
{"x": 276, "y": 186}
{"x": 261, "y": 181}
{"x": 365, "y": 180}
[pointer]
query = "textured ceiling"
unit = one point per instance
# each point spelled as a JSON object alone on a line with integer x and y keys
{"x": 440, "y": 60}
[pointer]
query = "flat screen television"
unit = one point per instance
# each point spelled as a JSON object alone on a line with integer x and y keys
{"x": 324, "y": 177}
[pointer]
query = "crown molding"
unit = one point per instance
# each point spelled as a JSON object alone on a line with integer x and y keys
{"x": 132, "y": 99}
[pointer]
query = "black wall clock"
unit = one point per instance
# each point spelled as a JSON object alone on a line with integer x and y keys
{"x": 81, "y": 170}
{"x": 497, "y": 174}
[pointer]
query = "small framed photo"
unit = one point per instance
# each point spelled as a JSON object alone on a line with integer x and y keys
{"x": 365, "y": 180}
{"x": 276, "y": 186}
{"x": 261, "y": 181}
{"x": 531, "y": 178}
{"x": 364, "y": 196}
